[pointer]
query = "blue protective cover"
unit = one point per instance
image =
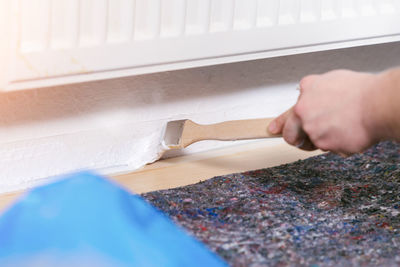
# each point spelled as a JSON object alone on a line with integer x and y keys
{"x": 86, "y": 220}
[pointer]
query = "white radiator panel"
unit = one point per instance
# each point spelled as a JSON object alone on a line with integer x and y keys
{"x": 48, "y": 42}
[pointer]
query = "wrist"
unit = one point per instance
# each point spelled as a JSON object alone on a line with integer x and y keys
{"x": 379, "y": 107}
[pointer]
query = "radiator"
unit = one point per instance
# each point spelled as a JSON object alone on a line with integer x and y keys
{"x": 53, "y": 42}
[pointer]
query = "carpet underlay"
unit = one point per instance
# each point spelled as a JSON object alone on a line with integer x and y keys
{"x": 322, "y": 211}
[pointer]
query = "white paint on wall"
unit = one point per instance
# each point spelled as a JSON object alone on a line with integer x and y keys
{"x": 116, "y": 125}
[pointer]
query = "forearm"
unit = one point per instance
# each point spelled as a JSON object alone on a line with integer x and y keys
{"x": 385, "y": 109}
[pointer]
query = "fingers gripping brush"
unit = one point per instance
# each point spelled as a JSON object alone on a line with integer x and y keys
{"x": 182, "y": 133}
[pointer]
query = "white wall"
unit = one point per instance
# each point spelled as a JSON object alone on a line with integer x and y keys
{"x": 116, "y": 125}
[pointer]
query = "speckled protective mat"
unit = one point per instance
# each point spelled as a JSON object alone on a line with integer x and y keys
{"x": 323, "y": 211}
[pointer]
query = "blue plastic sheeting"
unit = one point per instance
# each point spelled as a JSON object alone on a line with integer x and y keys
{"x": 86, "y": 220}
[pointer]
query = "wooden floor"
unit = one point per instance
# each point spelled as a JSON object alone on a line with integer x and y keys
{"x": 191, "y": 169}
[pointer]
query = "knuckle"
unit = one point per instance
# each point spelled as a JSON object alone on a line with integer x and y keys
{"x": 303, "y": 84}
{"x": 299, "y": 109}
{"x": 323, "y": 145}
{"x": 339, "y": 72}
{"x": 306, "y": 82}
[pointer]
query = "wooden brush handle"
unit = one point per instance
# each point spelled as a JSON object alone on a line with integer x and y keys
{"x": 227, "y": 131}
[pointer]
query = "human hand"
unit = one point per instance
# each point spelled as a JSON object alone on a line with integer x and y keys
{"x": 334, "y": 112}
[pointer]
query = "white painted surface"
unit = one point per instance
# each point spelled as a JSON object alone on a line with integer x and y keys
{"x": 115, "y": 125}
{"x": 47, "y": 43}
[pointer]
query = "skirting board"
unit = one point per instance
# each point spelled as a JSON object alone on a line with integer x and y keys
{"x": 185, "y": 170}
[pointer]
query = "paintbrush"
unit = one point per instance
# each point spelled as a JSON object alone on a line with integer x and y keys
{"x": 182, "y": 133}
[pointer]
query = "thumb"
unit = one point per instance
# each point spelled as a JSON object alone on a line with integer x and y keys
{"x": 293, "y": 132}
{"x": 276, "y": 126}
